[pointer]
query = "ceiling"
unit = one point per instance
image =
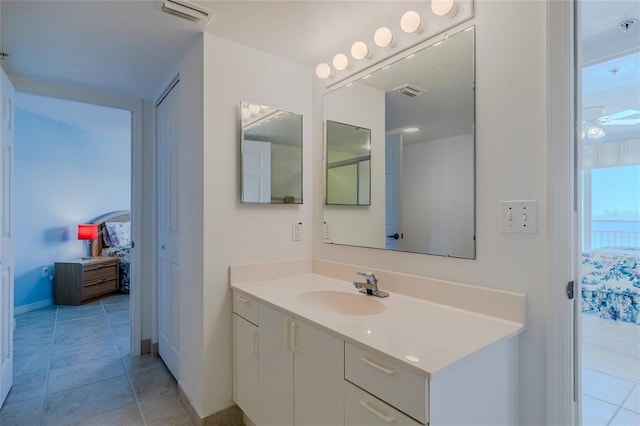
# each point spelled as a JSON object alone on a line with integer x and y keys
{"x": 128, "y": 47}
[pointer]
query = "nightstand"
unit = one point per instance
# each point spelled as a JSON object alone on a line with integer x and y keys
{"x": 80, "y": 280}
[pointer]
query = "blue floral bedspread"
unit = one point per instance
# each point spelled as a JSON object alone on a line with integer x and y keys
{"x": 611, "y": 283}
{"x": 124, "y": 253}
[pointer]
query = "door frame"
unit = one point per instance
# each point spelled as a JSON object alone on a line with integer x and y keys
{"x": 137, "y": 158}
{"x": 563, "y": 363}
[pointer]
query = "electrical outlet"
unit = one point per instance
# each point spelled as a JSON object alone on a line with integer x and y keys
{"x": 45, "y": 271}
{"x": 518, "y": 217}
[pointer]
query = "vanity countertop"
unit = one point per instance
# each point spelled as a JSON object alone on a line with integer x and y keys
{"x": 425, "y": 336}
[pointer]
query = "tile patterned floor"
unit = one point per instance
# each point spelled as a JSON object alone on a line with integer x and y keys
{"x": 610, "y": 372}
{"x": 72, "y": 367}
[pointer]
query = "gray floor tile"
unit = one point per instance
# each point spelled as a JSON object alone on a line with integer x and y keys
{"x": 27, "y": 387}
{"x": 127, "y": 416}
{"x": 135, "y": 364}
{"x": 25, "y": 413}
{"x": 87, "y": 401}
{"x": 154, "y": 383}
{"x": 164, "y": 411}
{"x": 72, "y": 354}
{"x": 84, "y": 314}
{"x": 116, "y": 298}
{"x": 29, "y": 364}
{"x": 83, "y": 373}
{"x": 117, "y": 307}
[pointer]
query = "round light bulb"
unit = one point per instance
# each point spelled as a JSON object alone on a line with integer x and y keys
{"x": 246, "y": 113}
{"x": 254, "y": 109}
{"x": 359, "y": 50}
{"x": 323, "y": 70}
{"x": 444, "y": 8}
{"x": 595, "y": 132}
{"x": 340, "y": 61}
{"x": 410, "y": 22}
{"x": 383, "y": 37}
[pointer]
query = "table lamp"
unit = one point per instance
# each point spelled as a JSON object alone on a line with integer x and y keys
{"x": 88, "y": 232}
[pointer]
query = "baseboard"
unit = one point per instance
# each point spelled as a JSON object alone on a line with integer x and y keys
{"x": 32, "y": 306}
{"x": 231, "y": 416}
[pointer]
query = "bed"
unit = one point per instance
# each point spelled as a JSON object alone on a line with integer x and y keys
{"x": 114, "y": 239}
{"x": 611, "y": 283}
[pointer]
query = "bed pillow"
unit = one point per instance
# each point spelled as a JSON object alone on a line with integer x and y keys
{"x": 119, "y": 233}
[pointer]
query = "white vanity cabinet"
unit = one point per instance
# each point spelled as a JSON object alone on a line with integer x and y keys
{"x": 301, "y": 370}
{"x": 245, "y": 354}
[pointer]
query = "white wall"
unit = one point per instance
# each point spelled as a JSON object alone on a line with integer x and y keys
{"x": 437, "y": 196}
{"x": 511, "y": 140}
{"x": 365, "y": 224}
{"x": 237, "y": 233}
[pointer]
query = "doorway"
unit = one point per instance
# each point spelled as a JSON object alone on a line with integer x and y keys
{"x": 609, "y": 187}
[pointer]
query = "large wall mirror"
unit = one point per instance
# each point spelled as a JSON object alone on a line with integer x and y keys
{"x": 271, "y": 151}
{"x": 420, "y": 111}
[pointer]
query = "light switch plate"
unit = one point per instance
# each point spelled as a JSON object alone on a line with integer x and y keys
{"x": 326, "y": 231}
{"x": 296, "y": 231}
{"x": 518, "y": 217}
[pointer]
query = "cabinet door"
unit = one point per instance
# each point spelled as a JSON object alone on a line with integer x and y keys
{"x": 318, "y": 376}
{"x": 276, "y": 368}
{"x": 245, "y": 366}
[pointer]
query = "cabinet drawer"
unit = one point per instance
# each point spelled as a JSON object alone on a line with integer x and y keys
{"x": 92, "y": 273}
{"x": 95, "y": 288}
{"x": 363, "y": 409}
{"x": 389, "y": 381}
{"x": 245, "y": 306}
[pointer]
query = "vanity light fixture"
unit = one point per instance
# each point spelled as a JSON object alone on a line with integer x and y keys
{"x": 340, "y": 62}
{"x": 360, "y": 50}
{"x": 254, "y": 109}
{"x": 447, "y": 8}
{"x": 323, "y": 71}
{"x": 411, "y": 22}
{"x": 383, "y": 37}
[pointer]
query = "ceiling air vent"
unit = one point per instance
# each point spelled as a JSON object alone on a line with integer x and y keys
{"x": 188, "y": 10}
{"x": 410, "y": 90}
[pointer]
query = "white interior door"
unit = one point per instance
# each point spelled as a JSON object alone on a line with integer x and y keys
{"x": 7, "y": 93}
{"x": 393, "y": 179}
{"x": 168, "y": 231}
{"x": 256, "y": 172}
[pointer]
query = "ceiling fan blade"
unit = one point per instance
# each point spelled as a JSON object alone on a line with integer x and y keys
{"x": 627, "y": 122}
{"x": 622, "y": 114}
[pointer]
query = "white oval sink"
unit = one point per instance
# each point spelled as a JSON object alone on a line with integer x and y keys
{"x": 342, "y": 303}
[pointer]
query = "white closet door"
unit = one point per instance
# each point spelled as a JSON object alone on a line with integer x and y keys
{"x": 7, "y": 94}
{"x": 256, "y": 172}
{"x": 168, "y": 123}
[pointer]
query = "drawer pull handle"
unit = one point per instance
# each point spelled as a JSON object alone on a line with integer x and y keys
{"x": 386, "y": 417}
{"x": 378, "y": 366}
{"x": 294, "y": 336}
{"x": 287, "y": 333}
{"x": 242, "y": 299}
{"x": 254, "y": 342}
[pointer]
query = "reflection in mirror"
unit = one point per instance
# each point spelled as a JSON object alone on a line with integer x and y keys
{"x": 271, "y": 153}
{"x": 348, "y": 164}
{"x": 421, "y": 112}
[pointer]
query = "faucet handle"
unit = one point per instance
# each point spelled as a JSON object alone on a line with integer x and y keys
{"x": 369, "y": 276}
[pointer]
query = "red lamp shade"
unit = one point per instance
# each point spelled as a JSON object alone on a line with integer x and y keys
{"x": 87, "y": 232}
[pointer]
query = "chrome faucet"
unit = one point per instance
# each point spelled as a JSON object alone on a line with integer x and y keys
{"x": 370, "y": 287}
